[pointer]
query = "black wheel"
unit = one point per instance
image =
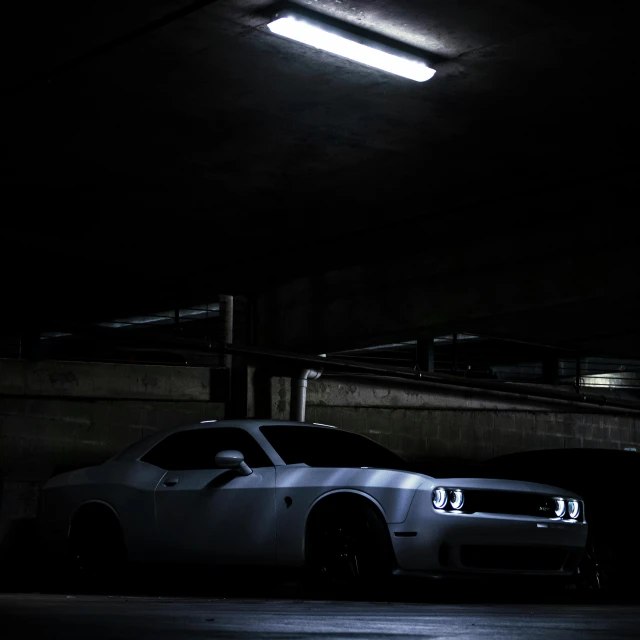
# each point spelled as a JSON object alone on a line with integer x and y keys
{"x": 348, "y": 548}
{"x": 595, "y": 572}
{"x": 97, "y": 552}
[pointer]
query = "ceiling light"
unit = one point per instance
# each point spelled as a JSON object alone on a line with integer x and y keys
{"x": 345, "y": 45}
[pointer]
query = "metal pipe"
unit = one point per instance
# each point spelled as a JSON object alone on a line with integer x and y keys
{"x": 298, "y": 406}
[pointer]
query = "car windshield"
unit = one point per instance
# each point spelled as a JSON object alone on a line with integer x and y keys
{"x": 322, "y": 447}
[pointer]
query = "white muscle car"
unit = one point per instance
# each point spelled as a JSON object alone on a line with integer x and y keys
{"x": 293, "y": 495}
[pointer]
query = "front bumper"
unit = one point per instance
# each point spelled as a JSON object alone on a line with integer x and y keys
{"x": 440, "y": 543}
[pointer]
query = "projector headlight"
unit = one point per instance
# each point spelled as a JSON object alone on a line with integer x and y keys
{"x": 573, "y": 507}
{"x": 440, "y": 498}
{"x": 561, "y": 507}
{"x": 456, "y": 497}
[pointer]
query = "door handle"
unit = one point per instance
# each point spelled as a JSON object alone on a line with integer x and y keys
{"x": 171, "y": 482}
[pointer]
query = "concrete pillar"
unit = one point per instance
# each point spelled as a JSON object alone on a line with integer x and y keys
{"x": 425, "y": 355}
{"x": 226, "y": 311}
{"x": 454, "y": 353}
{"x": 29, "y": 345}
{"x": 550, "y": 368}
{"x": 259, "y": 400}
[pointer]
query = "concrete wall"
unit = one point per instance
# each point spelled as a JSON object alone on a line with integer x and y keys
{"x": 55, "y": 416}
{"x": 101, "y": 380}
{"x": 448, "y": 422}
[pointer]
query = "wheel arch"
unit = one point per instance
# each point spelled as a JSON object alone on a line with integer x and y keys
{"x": 349, "y": 496}
{"x": 93, "y": 505}
{"x": 338, "y": 495}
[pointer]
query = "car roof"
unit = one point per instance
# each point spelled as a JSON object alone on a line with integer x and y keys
{"x": 251, "y": 425}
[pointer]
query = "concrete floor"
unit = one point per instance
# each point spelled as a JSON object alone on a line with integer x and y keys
{"x": 96, "y": 617}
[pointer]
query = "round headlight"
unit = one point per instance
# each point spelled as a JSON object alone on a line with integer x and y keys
{"x": 561, "y": 507}
{"x": 457, "y": 499}
{"x": 440, "y": 498}
{"x": 573, "y": 506}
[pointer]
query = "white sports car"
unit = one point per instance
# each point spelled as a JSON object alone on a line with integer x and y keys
{"x": 293, "y": 495}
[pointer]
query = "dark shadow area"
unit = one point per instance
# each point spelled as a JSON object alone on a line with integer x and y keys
{"x": 450, "y": 467}
{"x": 20, "y": 554}
{"x": 45, "y": 76}
{"x": 222, "y": 479}
{"x": 31, "y": 573}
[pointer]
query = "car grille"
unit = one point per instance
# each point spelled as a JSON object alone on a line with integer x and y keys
{"x": 510, "y": 503}
{"x": 516, "y": 558}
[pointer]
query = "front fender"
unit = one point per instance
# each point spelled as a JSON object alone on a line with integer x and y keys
{"x": 299, "y": 489}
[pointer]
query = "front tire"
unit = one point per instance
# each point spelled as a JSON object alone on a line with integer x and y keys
{"x": 595, "y": 572}
{"x": 348, "y": 549}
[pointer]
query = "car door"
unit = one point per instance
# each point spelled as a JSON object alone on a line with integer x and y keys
{"x": 211, "y": 515}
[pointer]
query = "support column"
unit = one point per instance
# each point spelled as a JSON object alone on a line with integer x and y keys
{"x": 550, "y": 368}
{"x": 233, "y": 404}
{"x": 226, "y": 311}
{"x": 454, "y": 353}
{"x": 425, "y": 355}
{"x": 578, "y": 373}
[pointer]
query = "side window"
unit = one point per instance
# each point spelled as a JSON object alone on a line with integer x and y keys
{"x": 197, "y": 449}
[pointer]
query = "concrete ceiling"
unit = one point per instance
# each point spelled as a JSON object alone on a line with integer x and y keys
{"x": 159, "y": 147}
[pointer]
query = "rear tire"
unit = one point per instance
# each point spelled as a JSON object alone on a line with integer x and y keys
{"x": 97, "y": 552}
{"x": 348, "y": 550}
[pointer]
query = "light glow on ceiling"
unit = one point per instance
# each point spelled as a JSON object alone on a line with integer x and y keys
{"x": 315, "y": 36}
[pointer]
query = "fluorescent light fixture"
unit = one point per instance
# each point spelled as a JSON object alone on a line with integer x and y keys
{"x": 317, "y": 36}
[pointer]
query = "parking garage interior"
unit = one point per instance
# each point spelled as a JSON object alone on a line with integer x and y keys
{"x": 202, "y": 220}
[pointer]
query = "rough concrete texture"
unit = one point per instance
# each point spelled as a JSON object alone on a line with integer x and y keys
{"x": 417, "y": 425}
{"x": 429, "y": 613}
{"x": 101, "y": 380}
{"x": 390, "y": 392}
{"x": 477, "y": 435}
{"x": 280, "y": 398}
